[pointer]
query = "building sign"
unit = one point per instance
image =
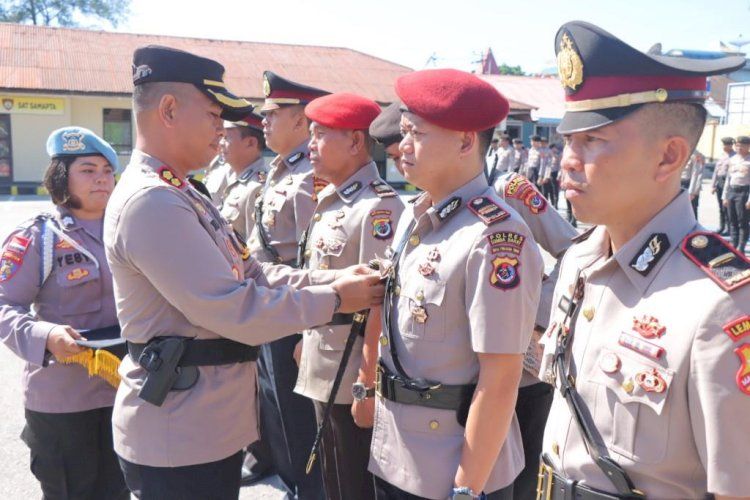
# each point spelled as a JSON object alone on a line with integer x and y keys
{"x": 32, "y": 105}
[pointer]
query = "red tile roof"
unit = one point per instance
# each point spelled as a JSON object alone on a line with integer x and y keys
{"x": 545, "y": 94}
{"x": 81, "y": 61}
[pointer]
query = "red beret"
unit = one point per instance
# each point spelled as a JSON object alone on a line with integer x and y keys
{"x": 343, "y": 111}
{"x": 452, "y": 99}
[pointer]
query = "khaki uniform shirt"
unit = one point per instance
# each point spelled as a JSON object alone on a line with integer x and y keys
{"x": 684, "y": 435}
{"x": 179, "y": 271}
{"x": 504, "y": 159}
{"x": 519, "y": 159}
{"x": 353, "y": 224}
{"x": 466, "y": 286}
{"x": 692, "y": 175}
{"x": 216, "y": 181}
{"x": 533, "y": 160}
{"x": 553, "y": 233}
{"x": 240, "y": 195}
{"x": 77, "y": 292}
{"x": 720, "y": 170}
{"x": 738, "y": 174}
{"x": 288, "y": 203}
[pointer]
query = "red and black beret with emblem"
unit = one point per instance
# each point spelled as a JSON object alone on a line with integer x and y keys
{"x": 280, "y": 91}
{"x": 605, "y": 79}
{"x": 343, "y": 111}
{"x": 452, "y": 99}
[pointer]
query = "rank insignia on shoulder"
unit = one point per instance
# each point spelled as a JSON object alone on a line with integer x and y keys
{"x": 295, "y": 158}
{"x": 382, "y": 189}
{"x": 504, "y": 274}
{"x": 743, "y": 374}
{"x": 487, "y": 210}
{"x": 718, "y": 259}
{"x": 739, "y": 328}
{"x": 448, "y": 208}
{"x": 351, "y": 188}
{"x": 650, "y": 254}
{"x": 167, "y": 175}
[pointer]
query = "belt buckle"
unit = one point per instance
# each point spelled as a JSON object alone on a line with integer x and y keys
{"x": 379, "y": 381}
{"x": 545, "y": 472}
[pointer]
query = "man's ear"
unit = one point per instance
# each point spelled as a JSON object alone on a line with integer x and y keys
{"x": 167, "y": 110}
{"x": 675, "y": 153}
{"x": 358, "y": 142}
{"x": 467, "y": 142}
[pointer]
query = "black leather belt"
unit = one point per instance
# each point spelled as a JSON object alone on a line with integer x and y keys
{"x": 206, "y": 352}
{"x": 341, "y": 319}
{"x": 552, "y": 486}
{"x": 417, "y": 392}
{"x": 740, "y": 189}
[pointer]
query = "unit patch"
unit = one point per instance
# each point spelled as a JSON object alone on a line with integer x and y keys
{"x": 521, "y": 188}
{"x": 77, "y": 274}
{"x": 167, "y": 175}
{"x": 12, "y": 256}
{"x": 382, "y": 225}
{"x": 650, "y": 254}
{"x": 718, "y": 259}
{"x": 507, "y": 242}
{"x": 743, "y": 374}
{"x": 738, "y": 329}
{"x": 487, "y": 210}
{"x": 504, "y": 274}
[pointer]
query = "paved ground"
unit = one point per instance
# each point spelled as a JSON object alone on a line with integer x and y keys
{"x": 16, "y": 482}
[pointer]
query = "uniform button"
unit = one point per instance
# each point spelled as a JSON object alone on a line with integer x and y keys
{"x": 317, "y": 217}
{"x": 308, "y": 253}
{"x": 628, "y": 386}
{"x": 272, "y": 182}
{"x": 588, "y": 313}
{"x": 383, "y": 340}
{"x": 555, "y": 448}
{"x": 323, "y": 266}
{"x": 414, "y": 240}
{"x": 434, "y": 425}
{"x": 420, "y": 295}
{"x": 397, "y": 291}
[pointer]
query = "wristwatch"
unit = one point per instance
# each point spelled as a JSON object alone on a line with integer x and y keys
{"x": 337, "y": 304}
{"x": 465, "y": 493}
{"x": 360, "y": 392}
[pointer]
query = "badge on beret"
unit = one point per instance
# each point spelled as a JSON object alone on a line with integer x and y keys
{"x": 738, "y": 329}
{"x": 569, "y": 64}
{"x": 726, "y": 266}
{"x": 504, "y": 274}
{"x": 140, "y": 72}
{"x": 73, "y": 141}
{"x": 168, "y": 176}
{"x": 743, "y": 374}
{"x": 650, "y": 254}
{"x": 266, "y": 86}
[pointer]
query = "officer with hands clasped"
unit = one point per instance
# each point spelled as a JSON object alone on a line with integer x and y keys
{"x": 190, "y": 300}
{"x": 648, "y": 341}
{"x": 464, "y": 278}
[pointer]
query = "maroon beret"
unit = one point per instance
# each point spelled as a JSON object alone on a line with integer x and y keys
{"x": 342, "y": 110}
{"x": 452, "y": 99}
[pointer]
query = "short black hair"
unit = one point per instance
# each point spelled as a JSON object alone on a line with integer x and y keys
{"x": 254, "y": 132}
{"x": 56, "y": 182}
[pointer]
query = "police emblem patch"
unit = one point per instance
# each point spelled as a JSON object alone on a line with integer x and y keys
{"x": 743, "y": 374}
{"x": 520, "y": 188}
{"x": 140, "y": 72}
{"x": 382, "y": 225}
{"x": 569, "y": 64}
{"x": 504, "y": 274}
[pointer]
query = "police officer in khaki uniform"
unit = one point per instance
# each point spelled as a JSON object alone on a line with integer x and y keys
{"x": 648, "y": 341}
{"x": 718, "y": 179}
{"x": 463, "y": 291}
{"x": 189, "y": 296}
{"x": 691, "y": 178}
{"x": 354, "y": 223}
{"x": 242, "y": 148}
{"x": 534, "y": 160}
{"x": 282, "y": 214}
{"x": 735, "y": 197}
{"x": 519, "y": 156}
{"x": 55, "y": 286}
{"x": 504, "y": 156}
{"x": 386, "y": 131}
{"x": 218, "y": 176}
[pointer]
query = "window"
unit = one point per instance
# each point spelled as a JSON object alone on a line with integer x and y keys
{"x": 118, "y": 130}
{"x": 6, "y": 152}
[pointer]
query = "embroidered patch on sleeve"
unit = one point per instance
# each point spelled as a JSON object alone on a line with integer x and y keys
{"x": 382, "y": 224}
{"x": 12, "y": 256}
{"x": 520, "y": 188}
{"x": 507, "y": 242}
{"x": 738, "y": 329}
{"x": 504, "y": 274}
{"x": 743, "y": 374}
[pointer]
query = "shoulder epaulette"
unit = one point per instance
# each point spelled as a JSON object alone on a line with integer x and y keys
{"x": 168, "y": 176}
{"x": 487, "y": 210}
{"x": 584, "y": 235}
{"x": 382, "y": 189}
{"x": 718, "y": 259}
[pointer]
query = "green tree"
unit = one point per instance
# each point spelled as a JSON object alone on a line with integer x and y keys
{"x": 510, "y": 70}
{"x": 62, "y": 12}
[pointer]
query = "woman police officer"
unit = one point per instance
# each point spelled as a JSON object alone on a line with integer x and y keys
{"x": 54, "y": 283}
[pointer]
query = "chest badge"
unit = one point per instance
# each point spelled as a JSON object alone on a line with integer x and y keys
{"x": 648, "y": 327}
{"x": 651, "y": 381}
{"x": 434, "y": 255}
{"x": 77, "y": 274}
{"x": 419, "y": 314}
{"x": 426, "y": 269}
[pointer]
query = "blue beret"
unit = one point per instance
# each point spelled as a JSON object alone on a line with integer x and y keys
{"x": 79, "y": 141}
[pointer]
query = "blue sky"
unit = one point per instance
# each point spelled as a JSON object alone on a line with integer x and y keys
{"x": 520, "y": 33}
